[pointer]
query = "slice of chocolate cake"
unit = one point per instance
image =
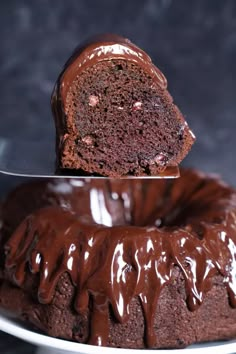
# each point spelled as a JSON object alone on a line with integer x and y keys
{"x": 113, "y": 113}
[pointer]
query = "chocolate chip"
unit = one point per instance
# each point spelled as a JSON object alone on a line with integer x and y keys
{"x": 93, "y": 100}
{"x": 88, "y": 140}
{"x": 181, "y": 131}
{"x": 180, "y": 342}
{"x": 118, "y": 67}
{"x": 137, "y": 106}
{"x": 161, "y": 158}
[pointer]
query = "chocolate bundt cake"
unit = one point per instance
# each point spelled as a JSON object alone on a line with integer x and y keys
{"x": 113, "y": 114}
{"x": 122, "y": 263}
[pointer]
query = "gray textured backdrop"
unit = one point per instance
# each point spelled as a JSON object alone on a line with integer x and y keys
{"x": 192, "y": 41}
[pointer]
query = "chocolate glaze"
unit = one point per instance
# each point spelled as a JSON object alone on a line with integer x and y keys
{"x": 106, "y": 47}
{"x": 110, "y": 265}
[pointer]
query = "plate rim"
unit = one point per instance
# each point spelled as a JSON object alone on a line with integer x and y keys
{"x": 9, "y": 326}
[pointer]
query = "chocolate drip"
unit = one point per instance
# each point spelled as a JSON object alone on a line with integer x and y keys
{"x": 109, "y": 266}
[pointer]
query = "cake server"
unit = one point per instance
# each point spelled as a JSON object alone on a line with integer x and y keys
{"x": 37, "y": 159}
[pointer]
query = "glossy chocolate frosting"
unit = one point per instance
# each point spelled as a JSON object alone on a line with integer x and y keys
{"x": 189, "y": 223}
{"x": 102, "y": 48}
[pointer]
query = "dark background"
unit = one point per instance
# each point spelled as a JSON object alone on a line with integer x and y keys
{"x": 192, "y": 41}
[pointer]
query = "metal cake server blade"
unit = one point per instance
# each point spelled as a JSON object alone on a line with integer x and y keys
{"x": 37, "y": 159}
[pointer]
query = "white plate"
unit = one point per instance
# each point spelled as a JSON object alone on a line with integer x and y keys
{"x": 50, "y": 345}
